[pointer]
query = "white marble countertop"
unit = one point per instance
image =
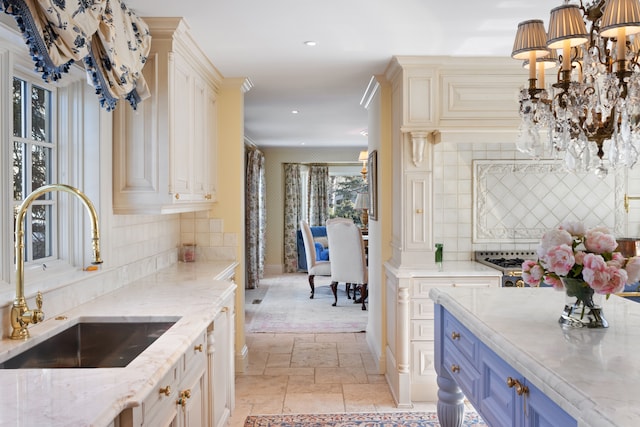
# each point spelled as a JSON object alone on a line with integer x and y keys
{"x": 449, "y": 269}
{"x": 94, "y": 397}
{"x": 592, "y": 374}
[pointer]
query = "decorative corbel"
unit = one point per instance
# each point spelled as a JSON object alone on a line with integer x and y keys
{"x": 419, "y": 140}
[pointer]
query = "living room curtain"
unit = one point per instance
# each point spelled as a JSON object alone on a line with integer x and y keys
{"x": 318, "y": 195}
{"x": 255, "y": 217}
{"x": 292, "y": 215}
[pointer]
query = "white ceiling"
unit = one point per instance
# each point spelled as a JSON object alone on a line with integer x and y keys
{"x": 263, "y": 40}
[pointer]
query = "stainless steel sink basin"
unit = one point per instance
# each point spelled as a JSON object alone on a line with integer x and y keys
{"x": 91, "y": 344}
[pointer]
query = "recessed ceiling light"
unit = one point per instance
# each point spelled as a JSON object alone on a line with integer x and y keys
{"x": 294, "y": 111}
{"x": 310, "y": 43}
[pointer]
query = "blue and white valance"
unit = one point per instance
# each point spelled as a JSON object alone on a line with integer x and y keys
{"x": 111, "y": 41}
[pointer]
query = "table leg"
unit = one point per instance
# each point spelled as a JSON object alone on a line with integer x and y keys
{"x": 450, "y": 403}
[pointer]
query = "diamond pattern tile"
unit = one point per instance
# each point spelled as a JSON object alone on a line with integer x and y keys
{"x": 518, "y": 200}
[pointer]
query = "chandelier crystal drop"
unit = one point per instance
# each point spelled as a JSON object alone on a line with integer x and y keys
{"x": 589, "y": 118}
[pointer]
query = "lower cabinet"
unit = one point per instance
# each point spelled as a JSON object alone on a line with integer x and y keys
{"x": 198, "y": 390}
{"x": 502, "y": 396}
{"x": 221, "y": 367}
{"x": 180, "y": 398}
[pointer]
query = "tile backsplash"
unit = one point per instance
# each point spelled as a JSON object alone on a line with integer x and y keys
{"x": 475, "y": 209}
{"x": 212, "y": 243}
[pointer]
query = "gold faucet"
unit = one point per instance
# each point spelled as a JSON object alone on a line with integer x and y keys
{"x": 21, "y": 316}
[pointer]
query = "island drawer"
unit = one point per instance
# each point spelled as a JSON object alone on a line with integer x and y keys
{"x": 461, "y": 370}
{"x": 460, "y": 337}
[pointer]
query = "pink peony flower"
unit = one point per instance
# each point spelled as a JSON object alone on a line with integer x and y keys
{"x": 599, "y": 241}
{"x": 593, "y": 262}
{"x": 553, "y": 238}
{"x": 570, "y": 251}
{"x": 559, "y": 259}
{"x": 575, "y": 228}
{"x": 607, "y": 281}
{"x": 633, "y": 269}
{"x": 553, "y": 281}
{"x": 532, "y": 273}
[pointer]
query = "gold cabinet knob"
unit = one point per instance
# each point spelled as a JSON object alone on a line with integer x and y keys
{"x": 455, "y": 368}
{"x": 184, "y": 395}
{"x": 455, "y": 335}
{"x": 177, "y": 196}
{"x": 165, "y": 390}
{"x": 207, "y": 196}
{"x": 198, "y": 348}
{"x": 419, "y": 211}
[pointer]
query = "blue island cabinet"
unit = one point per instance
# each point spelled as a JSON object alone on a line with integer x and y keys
{"x": 503, "y": 397}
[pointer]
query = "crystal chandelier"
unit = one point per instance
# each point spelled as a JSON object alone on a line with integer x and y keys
{"x": 590, "y": 117}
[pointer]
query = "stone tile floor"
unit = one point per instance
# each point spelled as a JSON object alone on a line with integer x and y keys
{"x": 311, "y": 373}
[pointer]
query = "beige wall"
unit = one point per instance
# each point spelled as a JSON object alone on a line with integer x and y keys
{"x": 274, "y": 159}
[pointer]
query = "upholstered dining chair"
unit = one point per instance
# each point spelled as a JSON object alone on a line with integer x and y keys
{"x": 348, "y": 262}
{"x": 314, "y": 267}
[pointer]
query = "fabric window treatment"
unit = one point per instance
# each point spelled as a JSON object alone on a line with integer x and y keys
{"x": 255, "y": 217}
{"x": 318, "y": 195}
{"x": 292, "y": 215}
{"x": 111, "y": 41}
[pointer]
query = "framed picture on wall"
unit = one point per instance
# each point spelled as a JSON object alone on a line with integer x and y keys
{"x": 373, "y": 184}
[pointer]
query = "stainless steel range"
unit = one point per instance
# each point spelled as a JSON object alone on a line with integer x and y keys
{"x": 509, "y": 262}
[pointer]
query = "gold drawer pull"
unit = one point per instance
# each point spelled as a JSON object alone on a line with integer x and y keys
{"x": 177, "y": 196}
{"x": 455, "y": 368}
{"x": 455, "y": 335}
{"x": 198, "y": 348}
{"x": 165, "y": 390}
{"x": 520, "y": 389}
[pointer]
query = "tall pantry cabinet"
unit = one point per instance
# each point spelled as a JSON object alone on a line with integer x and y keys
{"x": 165, "y": 151}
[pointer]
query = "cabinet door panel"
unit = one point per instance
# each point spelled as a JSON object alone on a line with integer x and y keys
{"x": 183, "y": 129}
{"x": 201, "y": 159}
{"x": 495, "y": 399}
{"x": 542, "y": 412}
{"x": 195, "y": 412}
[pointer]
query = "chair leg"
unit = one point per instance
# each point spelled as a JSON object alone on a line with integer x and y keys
{"x": 348, "y": 285}
{"x": 312, "y": 285}
{"x": 334, "y": 289}
{"x": 364, "y": 293}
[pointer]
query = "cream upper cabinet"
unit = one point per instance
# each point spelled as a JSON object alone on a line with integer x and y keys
{"x": 164, "y": 154}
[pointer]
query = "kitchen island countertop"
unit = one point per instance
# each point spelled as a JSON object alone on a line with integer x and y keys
{"x": 592, "y": 374}
{"x": 94, "y": 397}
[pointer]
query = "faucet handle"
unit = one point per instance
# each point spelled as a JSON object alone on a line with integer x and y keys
{"x": 39, "y": 300}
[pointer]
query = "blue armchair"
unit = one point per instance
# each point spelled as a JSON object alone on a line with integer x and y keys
{"x": 319, "y": 234}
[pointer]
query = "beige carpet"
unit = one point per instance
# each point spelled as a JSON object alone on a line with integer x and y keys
{"x": 281, "y": 304}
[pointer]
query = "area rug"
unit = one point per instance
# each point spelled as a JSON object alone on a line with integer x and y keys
{"x": 407, "y": 419}
{"x": 281, "y": 304}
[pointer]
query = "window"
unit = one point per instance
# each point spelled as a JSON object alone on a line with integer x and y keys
{"x": 34, "y": 163}
{"x": 343, "y": 189}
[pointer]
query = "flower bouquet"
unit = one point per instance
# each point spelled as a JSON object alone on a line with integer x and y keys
{"x": 581, "y": 262}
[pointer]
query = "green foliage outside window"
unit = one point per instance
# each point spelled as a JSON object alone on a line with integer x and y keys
{"x": 343, "y": 190}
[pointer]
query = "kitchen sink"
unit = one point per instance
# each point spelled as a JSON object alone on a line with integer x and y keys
{"x": 91, "y": 344}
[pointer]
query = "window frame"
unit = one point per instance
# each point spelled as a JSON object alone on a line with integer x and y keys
{"x": 79, "y": 149}
{"x": 51, "y": 200}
